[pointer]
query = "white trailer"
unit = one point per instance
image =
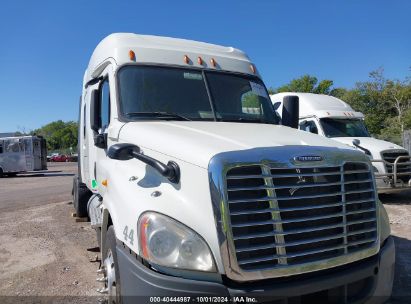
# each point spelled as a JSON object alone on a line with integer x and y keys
{"x": 198, "y": 195}
{"x": 22, "y": 154}
{"x": 331, "y": 117}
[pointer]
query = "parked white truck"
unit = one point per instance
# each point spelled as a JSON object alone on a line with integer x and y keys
{"x": 22, "y": 154}
{"x": 333, "y": 118}
{"x": 196, "y": 198}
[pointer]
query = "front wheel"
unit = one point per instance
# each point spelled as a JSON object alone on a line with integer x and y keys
{"x": 111, "y": 269}
{"x": 81, "y": 195}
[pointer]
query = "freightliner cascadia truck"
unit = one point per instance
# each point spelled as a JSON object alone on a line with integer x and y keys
{"x": 197, "y": 194}
{"x": 333, "y": 118}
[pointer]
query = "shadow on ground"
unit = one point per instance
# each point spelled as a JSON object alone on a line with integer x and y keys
{"x": 400, "y": 198}
{"x": 401, "y": 292}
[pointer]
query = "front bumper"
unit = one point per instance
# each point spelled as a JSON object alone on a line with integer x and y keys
{"x": 365, "y": 281}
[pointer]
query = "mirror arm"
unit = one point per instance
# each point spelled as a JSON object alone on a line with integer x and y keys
{"x": 366, "y": 151}
{"x": 171, "y": 170}
{"x": 126, "y": 151}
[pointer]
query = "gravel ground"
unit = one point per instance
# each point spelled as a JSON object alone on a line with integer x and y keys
{"x": 44, "y": 252}
{"x": 46, "y": 256}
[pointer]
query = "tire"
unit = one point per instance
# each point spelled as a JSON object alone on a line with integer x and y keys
{"x": 111, "y": 263}
{"x": 81, "y": 195}
{"x": 98, "y": 237}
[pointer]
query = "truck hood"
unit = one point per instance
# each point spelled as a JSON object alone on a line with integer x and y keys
{"x": 376, "y": 146}
{"x": 198, "y": 142}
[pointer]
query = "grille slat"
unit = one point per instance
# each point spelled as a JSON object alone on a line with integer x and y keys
{"x": 288, "y": 216}
{"x": 295, "y": 231}
{"x": 269, "y": 258}
{"x": 254, "y": 211}
{"x": 296, "y": 243}
{"x": 305, "y": 219}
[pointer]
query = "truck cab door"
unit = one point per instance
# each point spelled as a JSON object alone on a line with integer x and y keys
{"x": 99, "y": 120}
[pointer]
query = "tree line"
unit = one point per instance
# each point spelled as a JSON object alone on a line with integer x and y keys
{"x": 385, "y": 102}
{"x": 60, "y": 136}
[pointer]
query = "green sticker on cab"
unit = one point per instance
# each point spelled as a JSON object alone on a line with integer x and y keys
{"x": 94, "y": 184}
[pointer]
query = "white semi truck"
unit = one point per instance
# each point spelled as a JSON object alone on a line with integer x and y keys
{"x": 22, "y": 154}
{"x": 333, "y": 118}
{"x": 197, "y": 194}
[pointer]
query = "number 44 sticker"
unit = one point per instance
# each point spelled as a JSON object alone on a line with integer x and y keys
{"x": 128, "y": 236}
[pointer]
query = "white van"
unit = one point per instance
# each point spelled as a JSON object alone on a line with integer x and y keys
{"x": 333, "y": 118}
{"x": 198, "y": 195}
{"x": 22, "y": 154}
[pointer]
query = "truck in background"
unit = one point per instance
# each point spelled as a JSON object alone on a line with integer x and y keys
{"x": 22, "y": 154}
{"x": 333, "y": 118}
{"x": 195, "y": 190}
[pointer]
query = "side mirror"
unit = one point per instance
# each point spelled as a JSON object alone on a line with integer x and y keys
{"x": 356, "y": 142}
{"x": 95, "y": 119}
{"x": 122, "y": 151}
{"x": 129, "y": 151}
{"x": 291, "y": 111}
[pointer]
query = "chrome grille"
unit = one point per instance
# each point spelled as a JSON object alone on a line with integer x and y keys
{"x": 291, "y": 216}
{"x": 403, "y": 170}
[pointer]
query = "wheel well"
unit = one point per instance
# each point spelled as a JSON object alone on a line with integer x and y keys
{"x": 109, "y": 221}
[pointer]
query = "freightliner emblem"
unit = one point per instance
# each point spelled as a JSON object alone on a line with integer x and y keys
{"x": 301, "y": 178}
{"x": 308, "y": 158}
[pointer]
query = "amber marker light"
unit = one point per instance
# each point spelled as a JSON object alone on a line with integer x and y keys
{"x": 143, "y": 236}
{"x": 132, "y": 55}
{"x": 252, "y": 68}
{"x": 186, "y": 59}
{"x": 104, "y": 183}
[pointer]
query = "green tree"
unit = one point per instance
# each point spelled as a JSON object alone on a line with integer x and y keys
{"x": 59, "y": 134}
{"x": 307, "y": 84}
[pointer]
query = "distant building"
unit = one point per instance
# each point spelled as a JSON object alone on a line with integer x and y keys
{"x": 7, "y": 134}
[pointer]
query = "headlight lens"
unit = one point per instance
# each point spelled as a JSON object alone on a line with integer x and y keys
{"x": 166, "y": 242}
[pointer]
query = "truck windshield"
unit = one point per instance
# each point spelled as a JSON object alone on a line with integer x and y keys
{"x": 344, "y": 127}
{"x": 168, "y": 93}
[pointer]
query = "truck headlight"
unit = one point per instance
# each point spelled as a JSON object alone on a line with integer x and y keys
{"x": 166, "y": 242}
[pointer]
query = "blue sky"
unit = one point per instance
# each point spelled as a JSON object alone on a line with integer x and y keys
{"x": 45, "y": 45}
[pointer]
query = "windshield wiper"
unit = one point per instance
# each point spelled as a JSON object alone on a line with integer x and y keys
{"x": 240, "y": 119}
{"x": 159, "y": 115}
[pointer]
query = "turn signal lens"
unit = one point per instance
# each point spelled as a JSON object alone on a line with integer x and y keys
{"x": 186, "y": 59}
{"x": 200, "y": 60}
{"x": 213, "y": 62}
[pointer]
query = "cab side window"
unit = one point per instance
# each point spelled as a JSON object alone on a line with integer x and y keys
{"x": 105, "y": 104}
{"x": 309, "y": 126}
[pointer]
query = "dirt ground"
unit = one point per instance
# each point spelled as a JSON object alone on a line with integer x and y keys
{"x": 46, "y": 256}
{"x": 44, "y": 253}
